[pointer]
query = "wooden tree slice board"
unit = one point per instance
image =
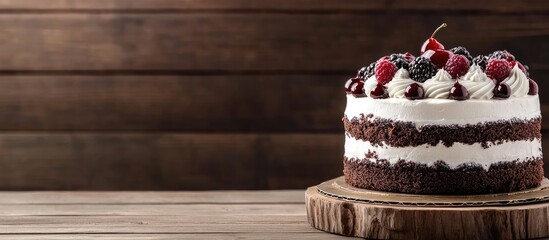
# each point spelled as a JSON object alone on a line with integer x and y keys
{"x": 344, "y": 210}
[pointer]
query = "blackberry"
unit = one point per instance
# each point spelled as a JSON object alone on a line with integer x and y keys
{"x": 502, "y": 55}
{"x": 366, "y": 72}
{"x": 399, "y": 60}
{"x": 395, "y": 56}
{"x": 422, "y": 69}
{"x": 481, "y": 61}
{"x": 463, "y": 51}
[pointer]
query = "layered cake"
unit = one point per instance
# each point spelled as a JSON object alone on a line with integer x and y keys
{"x": 443, "y": 123}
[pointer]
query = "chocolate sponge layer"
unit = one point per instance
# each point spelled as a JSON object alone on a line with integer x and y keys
{"x": 409, "y": 177}
{"x": 400, "y": 134}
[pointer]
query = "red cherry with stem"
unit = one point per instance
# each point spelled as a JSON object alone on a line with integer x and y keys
{"x": 357, "y": 89}
{"x": 414, "y": 91}
{"x": 349, "y": 83}
{"x": 458, "y": 92}
{"x": 432, "y": 43}
{"x": 533, "y": 87}
{"x": 502, "y": 91}
{"x": 438, "y": 57}
{"x": 379, "y": 91}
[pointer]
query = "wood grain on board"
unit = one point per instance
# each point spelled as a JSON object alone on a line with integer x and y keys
{"x": 374, "y": 221}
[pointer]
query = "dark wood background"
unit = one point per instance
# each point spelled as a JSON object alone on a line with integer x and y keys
{"x": 212, "y": 94}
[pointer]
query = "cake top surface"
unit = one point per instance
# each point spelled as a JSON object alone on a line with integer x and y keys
{"x": 439, "y": 73}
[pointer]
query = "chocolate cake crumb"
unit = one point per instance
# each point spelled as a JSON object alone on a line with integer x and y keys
{"x": 400, "y": 134}
{"x": 414, "y": 178}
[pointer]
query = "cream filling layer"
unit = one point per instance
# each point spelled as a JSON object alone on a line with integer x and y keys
{"x": 444, "y": 111}
{"x": 454, "y": 156}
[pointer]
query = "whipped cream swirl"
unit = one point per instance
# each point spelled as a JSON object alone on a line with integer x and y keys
{"x": 518, "y": 81}
{"x": 398, "y": 85}
{"x": 439, "y": 85}
{"x": 370, "y": 84}
{"x": 478, "y": 84}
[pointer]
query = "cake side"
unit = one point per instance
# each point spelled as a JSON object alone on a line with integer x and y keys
{"x": 414, "y": 178}
{"x": 467, "y": 156}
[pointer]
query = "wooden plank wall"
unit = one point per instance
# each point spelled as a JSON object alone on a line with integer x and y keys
{"x": 212, "y": 94}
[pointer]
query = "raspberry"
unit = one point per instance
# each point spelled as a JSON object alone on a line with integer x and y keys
{"x": 502, "y": 55}
{"x": 366, "y": 72}
{"x": 481, "y": 61}
{"x": 462, "y": 51}
{"x": 498, "y": 69}
{"x": 385, "y": 71}
{"x": 457, "y": 66}
{"x": 422, "y": 69}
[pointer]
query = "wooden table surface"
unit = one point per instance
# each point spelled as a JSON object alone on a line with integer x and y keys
{"x": 156, "y": 215}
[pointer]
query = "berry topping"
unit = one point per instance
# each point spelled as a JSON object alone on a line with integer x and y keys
{"x": 502, "y": 55}
{"x": 462, "y": 51}
{"x": 457, "y": 66}
{"x": 399, "y": 60}
{"x": 481, "y": 61}
{"x": 379, "y": 91}
{"x": 458, "y": 92}
{"x": 401, "y": 63}
{"x": 409, "y": 56}
{"x": 366, "y": 72}
{"x": 432, "y": 43}
{"x": 357, "y": 89}
{"x": 361, "y": 72}
{"x": 533, "y": 87}
{"x": 438, "y": 57}
{"x": 349, "y": 84}
{"x": 385, "y": 71}
{"x": 498, "y": 69}
{"x": 422, "y": 69}
{"x": 502, "y": 91}
{"x": 414, "y": 91}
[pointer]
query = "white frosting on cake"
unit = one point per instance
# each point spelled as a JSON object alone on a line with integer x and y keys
{"x": 439, "y": 85}
{"x": 518, "y": 81}
{"x": 398, "y": 85}
{"x": 444, "y": 111}
{"x": 370, "y": 84}
{"x": 478, "y": 84}
{"x": 454, "y": 156}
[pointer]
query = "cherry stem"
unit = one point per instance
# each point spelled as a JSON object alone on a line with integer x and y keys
{"x": 436, "y": 30}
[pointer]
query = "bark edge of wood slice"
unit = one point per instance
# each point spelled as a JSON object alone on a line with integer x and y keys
{"x": 381, "y": 221}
